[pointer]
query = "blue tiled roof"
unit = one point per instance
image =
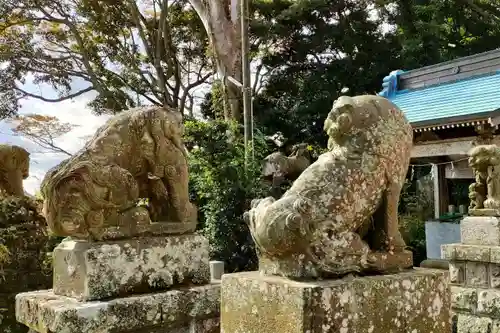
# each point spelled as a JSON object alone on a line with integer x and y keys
{"x": 461, "y": 98}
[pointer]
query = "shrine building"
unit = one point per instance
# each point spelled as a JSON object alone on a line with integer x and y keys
{"x": 452, "y": 107}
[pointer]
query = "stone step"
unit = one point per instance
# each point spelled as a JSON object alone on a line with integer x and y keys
{"x": 194, "y": 309}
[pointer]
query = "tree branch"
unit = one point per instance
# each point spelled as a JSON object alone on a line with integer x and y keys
{"x": 85, "y": 57}
{"x": 170, "y": 59}
{"x": 136, "y": 17}
{"x": 158, "y": 49}
{"x": 53, "y": 100}
{"x": 190, "y": 86}
{"x": 46, "y": 143}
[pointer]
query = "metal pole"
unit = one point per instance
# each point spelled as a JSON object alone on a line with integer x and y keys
{"x": 245, "y": 66}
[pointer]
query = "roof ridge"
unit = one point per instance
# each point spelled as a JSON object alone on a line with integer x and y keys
{"x": 454, "y": 61}
{"x": 477, "y": 65}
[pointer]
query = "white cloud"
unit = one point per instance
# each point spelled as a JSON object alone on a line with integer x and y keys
{"x": 70, "y": 111}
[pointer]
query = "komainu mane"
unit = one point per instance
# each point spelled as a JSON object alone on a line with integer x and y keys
{"x": 340, "y": 215}
{"x": 137, "y": 154}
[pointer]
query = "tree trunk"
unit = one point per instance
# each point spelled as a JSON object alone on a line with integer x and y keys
{"x": 222, "y": 24}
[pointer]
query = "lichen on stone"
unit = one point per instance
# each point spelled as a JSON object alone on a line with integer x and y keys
{"x": 343, "y": 207}
{"x": 401, "y": 303}
{"x": 45, "y": 312}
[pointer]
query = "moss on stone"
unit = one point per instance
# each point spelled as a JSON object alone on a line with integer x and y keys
{"x": 45, "y": 312}
{"x": 411, "y": 301}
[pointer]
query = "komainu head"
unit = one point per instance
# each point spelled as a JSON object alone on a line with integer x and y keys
{"x": 14, "y": 167}
{"x": 366, "y": 119}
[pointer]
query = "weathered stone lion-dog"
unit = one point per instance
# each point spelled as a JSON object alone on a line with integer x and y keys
{"x": 136, "y": 154}
{"x": 343, "y": 208}
{"x": 14, "y": 168}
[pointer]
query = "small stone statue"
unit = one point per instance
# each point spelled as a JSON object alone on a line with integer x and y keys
{"x": 14, "y": 168}
{"x": 97, "y": 193}
{"x": 476, "y": 195}
{"x": 279, "y": 168}
{"x": 485, "y": 163}
{"x": 341, "y": 214}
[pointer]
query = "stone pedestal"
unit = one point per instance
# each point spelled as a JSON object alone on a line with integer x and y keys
{"x": 475, "y": 275}
{"x": 296, "y": 267}
{"x": 435, "y": 264}
{"x": 411, "y": 301}
{"x": 144, "y": 285}
{"x": 189, "y": 309}
{"x": 92, "y": 271}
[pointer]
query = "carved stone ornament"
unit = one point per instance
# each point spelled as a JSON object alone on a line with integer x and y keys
{"x": 97, "y": 193}
{"x": 485, "y": 191}
{"x": 14, "y": 168}
{"x": 341, "y": 214}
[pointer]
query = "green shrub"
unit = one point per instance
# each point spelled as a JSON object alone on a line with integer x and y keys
{"x": 413, "y": 231}
{"x": 4, "y": 258}
{"x": 222, "y": 190}
{"x": 19, "y": 210}
{"x": 415, "y": 208}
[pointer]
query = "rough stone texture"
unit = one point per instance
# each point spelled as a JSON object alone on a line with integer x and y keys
{"x": 91, "y": 271}
{"x": 412, "y": 301}
{"x": 463, "y": 299}
{"x": 435, "y": 264}
{"x": 14, "y": 167}
{"x": 189, "y": 309}
{"x": 473, "y": 265}
{"x": 457, "y": 272}
{"x": 467, "y": 252}
{"x": 477, "y": 230}
{"x": 297, "y": 267}
{"x": 474, "y": 324}
{"x": 484, "y": 212}
{"x": 325, "y": 218}
{"x": 475, "y": 276}
{"x": 137, "y": 154}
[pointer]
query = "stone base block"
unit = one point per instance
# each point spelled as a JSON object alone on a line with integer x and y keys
{"x": 474, "y": 324}
{"x": 189, "y": 310}
{"x": 484, "y": 212}
{"x": 93, "y": 271}
{"x": 297, "y": 268}
{"x": 435, "y": 264}
{"x": 412, "y": 301}
{"x": 480, "y": 230}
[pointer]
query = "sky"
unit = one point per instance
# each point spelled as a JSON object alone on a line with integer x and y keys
{"x": 70, "y": 111}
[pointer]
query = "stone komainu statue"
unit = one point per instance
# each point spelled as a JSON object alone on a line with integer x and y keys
{"x": 278, "y": 168}
{"x": 14, "y": 167}
{"x": 341, "y": 213}
{"x": 137, "y": 154}
{"x": 485, "y": 191}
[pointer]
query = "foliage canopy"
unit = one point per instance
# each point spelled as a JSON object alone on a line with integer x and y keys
{"x": 128, "y": 52}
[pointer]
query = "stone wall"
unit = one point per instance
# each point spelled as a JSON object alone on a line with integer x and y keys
{"x": 22, "y": 233}
{"x": 475, "y": 275}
